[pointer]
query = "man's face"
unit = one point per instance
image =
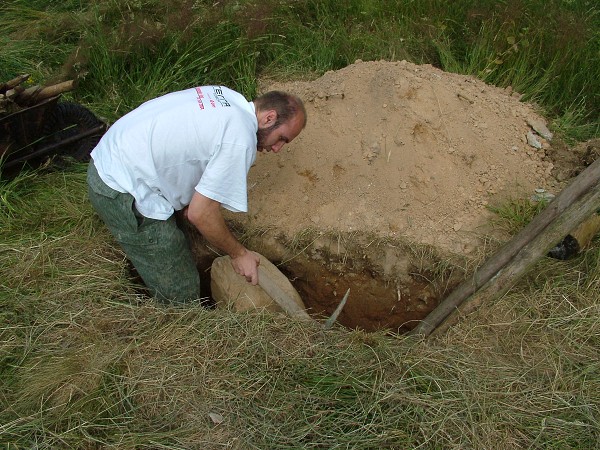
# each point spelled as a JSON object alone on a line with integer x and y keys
{"x": 273, "y": 138}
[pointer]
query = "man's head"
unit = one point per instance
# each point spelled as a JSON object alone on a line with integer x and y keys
{"x": 281, "y": 117}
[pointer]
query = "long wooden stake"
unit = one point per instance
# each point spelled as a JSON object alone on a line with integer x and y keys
{"x": 581, "y": 185}
{"x": 527, "y": 257}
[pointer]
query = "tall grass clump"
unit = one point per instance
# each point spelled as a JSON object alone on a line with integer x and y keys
{"x": 132, "y": 76}
{"x": 125, "y": 52}
{"x": 547, "y": 51}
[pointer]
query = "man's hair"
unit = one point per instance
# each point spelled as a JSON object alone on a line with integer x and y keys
{"x": 286, "y": 105}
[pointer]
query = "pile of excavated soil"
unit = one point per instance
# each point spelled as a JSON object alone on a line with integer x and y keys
{"x": 400, "y": 150}
{"x": 393, "y": 152}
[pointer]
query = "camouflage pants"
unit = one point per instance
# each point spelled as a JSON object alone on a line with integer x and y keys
{"x": 158, "y": 249}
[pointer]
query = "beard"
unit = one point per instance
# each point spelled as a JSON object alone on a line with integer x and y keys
{"x": 262, "y": 135}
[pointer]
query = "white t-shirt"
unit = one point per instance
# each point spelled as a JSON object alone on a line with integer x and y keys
{"x": 200, "y": 139}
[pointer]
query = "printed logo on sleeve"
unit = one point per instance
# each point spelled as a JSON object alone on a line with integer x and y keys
{"x": 200, "y": 97}
{"x": 215, "y": 97}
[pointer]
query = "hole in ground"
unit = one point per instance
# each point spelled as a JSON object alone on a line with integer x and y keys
{"x": 392, "y": 286}
{"x": 373, "y": 302}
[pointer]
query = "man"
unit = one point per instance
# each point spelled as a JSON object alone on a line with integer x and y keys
{"x": 189, "y": 150}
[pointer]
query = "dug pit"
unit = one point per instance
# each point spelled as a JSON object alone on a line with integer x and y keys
{"x": 386, "y": 191}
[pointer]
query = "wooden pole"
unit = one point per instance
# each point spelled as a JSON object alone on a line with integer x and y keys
{"x": 580, "y": 186}
{"x": 14, "y": 82}
{"x": 36, "y": 94}
{"x": 527, "y": 257}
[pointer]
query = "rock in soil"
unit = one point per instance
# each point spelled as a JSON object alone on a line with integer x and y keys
{"x": 229, "y": 289}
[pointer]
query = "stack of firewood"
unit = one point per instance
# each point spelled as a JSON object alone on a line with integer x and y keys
{"x": 15, "y": 96}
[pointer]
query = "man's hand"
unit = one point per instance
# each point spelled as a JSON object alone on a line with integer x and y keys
{"x": 206, "y": 216}
{"x": 247, "y": 265}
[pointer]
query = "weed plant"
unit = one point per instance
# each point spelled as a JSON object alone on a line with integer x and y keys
{"x": 86, "y": 361}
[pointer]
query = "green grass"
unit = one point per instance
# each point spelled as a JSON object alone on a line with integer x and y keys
{"x": 129, "y": 51}
{"x": 86, "y": 362}
{"x": 515, "y": 214}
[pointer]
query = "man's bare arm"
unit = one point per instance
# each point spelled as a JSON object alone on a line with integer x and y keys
{"x": 205, "y": 214}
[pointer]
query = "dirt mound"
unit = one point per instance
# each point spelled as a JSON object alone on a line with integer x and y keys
{"x": 400, "y": 150}
{"x": 396, "y": 158}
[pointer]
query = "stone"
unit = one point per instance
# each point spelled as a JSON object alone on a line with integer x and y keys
{"x": 533, "y": 140}
{"x": 539, "y": 126}
{"x": 231, "y": 290}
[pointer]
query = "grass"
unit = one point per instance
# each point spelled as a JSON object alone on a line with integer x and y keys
{"x": 87, "y": 362}
{"x": 124, "y": 53}
{"x": 514, "y": 214}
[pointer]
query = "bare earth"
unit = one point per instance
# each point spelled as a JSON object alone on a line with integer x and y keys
{"x": 397, "y": 153}
{"x": 398, "y": 149}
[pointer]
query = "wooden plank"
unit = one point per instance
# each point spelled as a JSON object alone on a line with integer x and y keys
{"x": 575, "y": 190}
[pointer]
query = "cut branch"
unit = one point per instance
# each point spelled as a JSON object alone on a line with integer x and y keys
{"x": 36, "y": 94}
{"x": 13, "y": 83}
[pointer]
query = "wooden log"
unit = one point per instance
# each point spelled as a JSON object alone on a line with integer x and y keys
{"x": 581, "y": 185}
{"x": 55, "y": 89}
{"x": 36, "y": 94}
{"x": 585, "y": 232}
{"x": 14, "y": 82}
{"x": 577, "y": 240}
{"x": 11, "y": 94}
{"x": 529, "y": 255}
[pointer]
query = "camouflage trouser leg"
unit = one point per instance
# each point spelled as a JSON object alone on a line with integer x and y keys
{"x": 157, "y": 248}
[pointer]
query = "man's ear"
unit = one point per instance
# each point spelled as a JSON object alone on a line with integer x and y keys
{"x": 269, "y": 118}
